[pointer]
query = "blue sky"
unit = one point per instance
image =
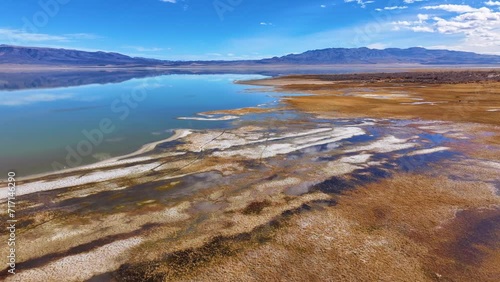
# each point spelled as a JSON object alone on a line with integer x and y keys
{"x": 247, "y": 29}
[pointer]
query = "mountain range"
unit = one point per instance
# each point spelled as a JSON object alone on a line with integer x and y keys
{"x": 365, "y": 55}
{"x": 416, "y": 55}
{"x": 52, "y": 56}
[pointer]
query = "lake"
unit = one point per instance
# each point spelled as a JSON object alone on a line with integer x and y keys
{"x": 46, "y": 129}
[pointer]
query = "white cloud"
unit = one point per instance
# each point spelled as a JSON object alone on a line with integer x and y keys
{"x": 422, "y": 17}
{"x": 492, "y": 3}
{"x": 396, "y": 8}
{"x": 479, "y": 27}
{"x": 422, "y": 29}
{"x": 402, "y": 23}
{"x": 169, "y": 1}
{"x": 451, "y": 8}
{"x": 483, "y": 14}
{"x": 412, "y": 1}
{"x": 377, "y": 46}
{"x": 264, "y": 23}
{"x": 323, "y": 6}
{"x": 392, "y": 8}
{"x": 361, "y": 3}
{"x": 20, "y": 35}
{"x": 13, "y": 36}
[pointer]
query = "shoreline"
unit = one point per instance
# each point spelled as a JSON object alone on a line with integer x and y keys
{"x": 178, "y": 133}
{"x": 279, "y": 83}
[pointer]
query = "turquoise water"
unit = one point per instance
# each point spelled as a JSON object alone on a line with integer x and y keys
{"x": 49, "y": 129}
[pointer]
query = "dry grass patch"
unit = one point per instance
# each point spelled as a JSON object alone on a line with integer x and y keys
{"x": 256, "y": 207}
{"x": 386, "y": 231}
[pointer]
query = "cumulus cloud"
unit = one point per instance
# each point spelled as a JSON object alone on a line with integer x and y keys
{"x": 422, "y": 17}
{"x": 480, "y": 27}
{"x": 492, "y": 3}
{"x": 421, "y": 29}
{"x": 402, "y": 23}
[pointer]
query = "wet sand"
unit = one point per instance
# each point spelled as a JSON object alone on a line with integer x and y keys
{"x": 337, "y": 192}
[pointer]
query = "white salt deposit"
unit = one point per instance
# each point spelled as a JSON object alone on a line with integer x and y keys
{"x": 385, "y": 145}
{"x": 427, "y": 151}
{"x": 295, "y": 144}
{"x": 210, "y": 118}
{"x": 357, "y": 159}
{"x": 80, "y": 267}
{"x": 338, "y": 168}
{"x": 278, "y": 183}
{"x": 76, "y": 180}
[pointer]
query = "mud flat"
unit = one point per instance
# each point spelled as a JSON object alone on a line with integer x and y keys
{"x": 334, "y": 193}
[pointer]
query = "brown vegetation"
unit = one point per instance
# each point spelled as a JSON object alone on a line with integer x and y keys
{"x": 400, "y": 229}
{"x": 256, "y": 207}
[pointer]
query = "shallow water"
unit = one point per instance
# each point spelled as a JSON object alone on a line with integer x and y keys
{"x": 47, "y": 129}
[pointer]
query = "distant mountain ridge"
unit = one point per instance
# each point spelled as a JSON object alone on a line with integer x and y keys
{"x": 415, "y": 55}
{"x": 365, "y": 55}
{"x": 53, "y": 56}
